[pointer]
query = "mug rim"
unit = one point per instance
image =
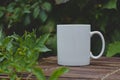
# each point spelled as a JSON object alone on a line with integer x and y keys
{"x": 74, "y": 25}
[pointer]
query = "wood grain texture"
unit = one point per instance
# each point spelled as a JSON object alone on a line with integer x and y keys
{"x": 95, "y": 71}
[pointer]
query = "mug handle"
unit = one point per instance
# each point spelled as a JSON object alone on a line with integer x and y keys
{"x": 103, "y": 44}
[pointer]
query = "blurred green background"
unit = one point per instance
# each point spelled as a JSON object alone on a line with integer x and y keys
{"x": 18, "y": 16}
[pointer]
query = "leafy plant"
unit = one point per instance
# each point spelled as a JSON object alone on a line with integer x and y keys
{"x": 113, "y": 49}
{"x": 19, "y": 54}
{"x": 58, "y": 72}
{"x": 114, "y": 46}
{"x": 28, "y": 14}
{"x": 54, "y": 76}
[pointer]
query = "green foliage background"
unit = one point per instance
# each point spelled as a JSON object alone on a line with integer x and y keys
{"x": 43, "y": 15}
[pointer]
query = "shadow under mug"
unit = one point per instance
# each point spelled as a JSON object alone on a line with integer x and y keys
{"x": 73, "y": 44}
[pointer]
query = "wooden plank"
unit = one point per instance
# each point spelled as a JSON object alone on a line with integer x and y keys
{"x": 95, "y": 71}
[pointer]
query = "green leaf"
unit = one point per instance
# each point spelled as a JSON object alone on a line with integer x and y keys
{"x": 61, "y": 1}
{"x": 43, "y": 48}
{"x": 34, "y": 5}
{"x": 36, "y": 12}
{"x": 43, "y": 16}
{"x": 16, "y": 16}
{"x": 27, "y": 20}
{"x": 15, "y": 36}
{"x": 113, "y": 48}
{"x": 58, "y": 72}
{"x": 10, "y": 23}
{"x": 37, "y": 71}
{"x": 8, "y": 43}
{"x": 13, "y": 76}
{"x": 112, "y": 4}
{"x": 48, "y": 27}
{"x": 40, "y": 43}
{"x": 1, "y": 34}
{"x": 42, "y": 39}
{"x": 46, "y": 6}
{"x": 2, "y": 58}
{"x": 1, "y": 14}
{"x": 9, "y": 46}
{"x": 26, "y": 9}
{"x": 10, "y": 7}
{"x": 2, "y": 10}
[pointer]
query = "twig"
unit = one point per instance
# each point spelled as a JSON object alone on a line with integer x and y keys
{"x": 28, "y": 77}
{"x": 109, "y": 74}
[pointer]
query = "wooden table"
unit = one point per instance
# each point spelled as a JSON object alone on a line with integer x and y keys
{"x": 100, "y": 69}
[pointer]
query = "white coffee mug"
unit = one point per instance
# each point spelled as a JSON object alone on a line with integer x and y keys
{"x": 73, "y": 44}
